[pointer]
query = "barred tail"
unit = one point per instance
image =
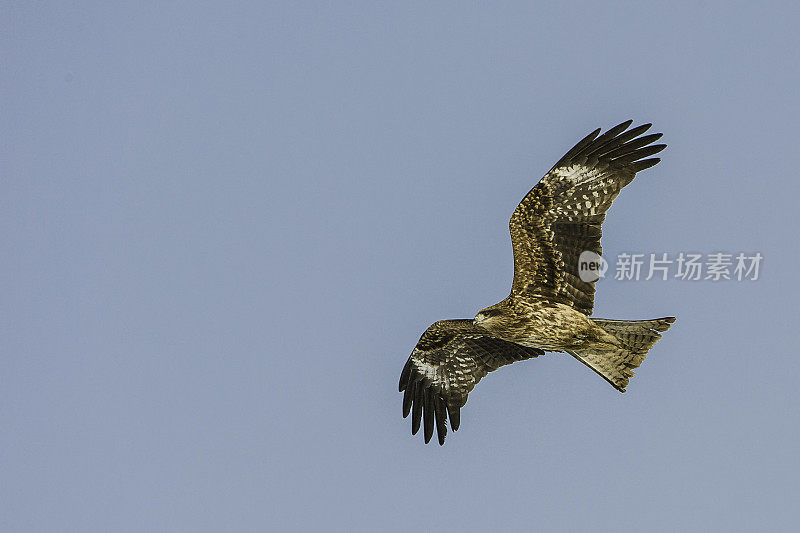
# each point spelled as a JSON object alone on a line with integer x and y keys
{"x": 636, "y": 337}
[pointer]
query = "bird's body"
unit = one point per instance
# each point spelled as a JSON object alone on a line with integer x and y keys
{"x": 538, "y": 323}
{"x": 550, "y": 303}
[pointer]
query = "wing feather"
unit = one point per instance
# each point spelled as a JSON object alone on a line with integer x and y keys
{"x": 416, "y": 412}
{"x": 454, "y": 414}
{"x": 408, "y": 396}
{"x": 451, "y": 357}
{"x": 562, "y": 215}
{"x": 427, "y": 413}
{"x": 441, "y": 418}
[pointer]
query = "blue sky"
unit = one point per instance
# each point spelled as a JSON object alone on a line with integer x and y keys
{"x": 224, "y": 228}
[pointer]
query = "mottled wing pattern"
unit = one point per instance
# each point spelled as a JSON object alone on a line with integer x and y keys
{"x": 636, "y": 337}
{"x": 451, "y": 357}
{"x": 561, "y": 216}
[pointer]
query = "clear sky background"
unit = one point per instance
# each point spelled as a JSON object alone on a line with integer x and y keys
{"x": 224, "y": 226}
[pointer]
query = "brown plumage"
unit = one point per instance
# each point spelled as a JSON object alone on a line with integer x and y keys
{"x": 451, "y": 357}
{"x": 549, "y": 305}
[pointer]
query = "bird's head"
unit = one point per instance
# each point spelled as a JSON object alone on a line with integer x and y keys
{"x": 487, "y": 317}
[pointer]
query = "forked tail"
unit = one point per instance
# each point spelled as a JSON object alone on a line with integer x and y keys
{"x": 636, "y": 337}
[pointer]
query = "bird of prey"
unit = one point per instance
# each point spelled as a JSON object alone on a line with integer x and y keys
{"x": 549, "y": 305}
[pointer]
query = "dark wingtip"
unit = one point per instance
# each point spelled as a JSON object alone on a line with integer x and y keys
{"x": 441, "y": 418}
{"x": 455, "y": 416}
{"x": 631, "y": 134}
{"x": 645, "y": 164}
{"x": 416, "y": 411}
{"x": 408, "y": 398}
{"x": 404, "y": 375}
{"x": 611, "y": 134}
{"x": 428, "y": 415}
{"x": 616, "y": 142}
{"x": 583, "y": 143}
{"x": 624, "y": 125}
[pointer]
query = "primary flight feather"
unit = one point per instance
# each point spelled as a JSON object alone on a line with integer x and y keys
{"x": 549, "y": 305}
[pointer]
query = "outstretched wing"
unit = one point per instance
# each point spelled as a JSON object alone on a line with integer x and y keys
{"x": 451, "y": 357}
{"x": 561, "y": 216}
